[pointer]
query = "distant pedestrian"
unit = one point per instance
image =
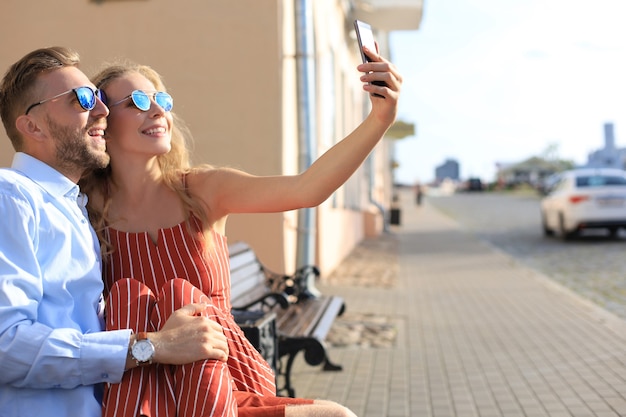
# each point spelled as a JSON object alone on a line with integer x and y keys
{"x": 419, "y": 192}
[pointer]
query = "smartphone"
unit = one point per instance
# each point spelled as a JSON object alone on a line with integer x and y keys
{"x": 365, "y": 36}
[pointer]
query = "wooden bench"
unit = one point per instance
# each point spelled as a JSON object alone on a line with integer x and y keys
{"x": 265, "y": 302}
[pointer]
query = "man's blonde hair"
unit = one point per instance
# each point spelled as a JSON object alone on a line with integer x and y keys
{"x": 19, "y": 87}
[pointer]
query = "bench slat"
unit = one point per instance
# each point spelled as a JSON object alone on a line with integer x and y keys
{"x": 242, "y": 258}
{"x": 333, "y": 310}
{"x": 301, "y": 318}
{"x": 246, "y": 279}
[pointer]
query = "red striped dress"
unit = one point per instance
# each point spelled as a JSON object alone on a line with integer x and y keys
{"x": 140, "y": 278}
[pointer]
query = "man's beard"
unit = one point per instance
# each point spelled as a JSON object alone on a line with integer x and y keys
{"x": 73, "y": 151}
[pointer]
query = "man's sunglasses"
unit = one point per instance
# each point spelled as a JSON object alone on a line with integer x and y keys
{"x": 141, "y": 100}
{"x": 86, "y": 97}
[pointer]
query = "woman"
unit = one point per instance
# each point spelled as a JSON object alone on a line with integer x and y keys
{"x": 158, "y": 219}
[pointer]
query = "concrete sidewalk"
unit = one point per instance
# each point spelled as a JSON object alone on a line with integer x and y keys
{"x": 477, "y": 334}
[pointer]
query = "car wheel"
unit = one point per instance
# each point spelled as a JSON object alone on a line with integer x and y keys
{"x": 546, "y": 230}
{"x": 613, "y": 232}
{"x": 564, "y": 233}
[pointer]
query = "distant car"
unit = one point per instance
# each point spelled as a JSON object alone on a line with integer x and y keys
{"x": 474, "y": 184}
{"x": 586, "y": 198}
{"x": 547, "y": 184}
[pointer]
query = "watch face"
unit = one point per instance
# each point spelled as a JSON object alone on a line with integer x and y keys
{"x": 143, "y": 350}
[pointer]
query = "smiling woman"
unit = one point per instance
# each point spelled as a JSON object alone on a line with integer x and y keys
{"x": 162, "y": 221}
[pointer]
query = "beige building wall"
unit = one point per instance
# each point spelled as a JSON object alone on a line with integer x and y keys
{"x": 230, "y": 66}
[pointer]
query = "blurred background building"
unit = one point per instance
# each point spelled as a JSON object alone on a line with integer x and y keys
{"x": 608, "y": 156}
{"x": 265, "y": 85}
{"x": 449, "y": 169}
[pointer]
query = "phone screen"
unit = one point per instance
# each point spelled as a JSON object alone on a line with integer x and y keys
{"x": 365, "y": 37}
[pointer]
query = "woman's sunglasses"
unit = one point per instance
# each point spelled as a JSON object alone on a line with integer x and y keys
{"x": 141, "y": 100}
{"x": 86, "y": 97}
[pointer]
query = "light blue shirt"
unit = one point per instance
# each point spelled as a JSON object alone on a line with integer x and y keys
{"x": 54, "y": 354}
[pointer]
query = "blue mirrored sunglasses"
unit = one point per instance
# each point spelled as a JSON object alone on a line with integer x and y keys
{"x": 141, "y": 100}
{"x": 86, "y": 97}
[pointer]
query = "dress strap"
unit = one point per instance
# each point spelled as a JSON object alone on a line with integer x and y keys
{"x": 185, "y": 181}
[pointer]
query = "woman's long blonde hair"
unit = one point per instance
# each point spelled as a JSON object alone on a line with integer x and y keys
{"x": 175, "y": 164}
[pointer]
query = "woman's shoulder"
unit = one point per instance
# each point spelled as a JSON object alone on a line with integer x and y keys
{"x": 198, "y": 175}
{"x": 199, "y": 182}
{"x": 203, "y": 176}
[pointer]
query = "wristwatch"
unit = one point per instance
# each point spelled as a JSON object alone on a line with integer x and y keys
{"x": 142, "y": 351}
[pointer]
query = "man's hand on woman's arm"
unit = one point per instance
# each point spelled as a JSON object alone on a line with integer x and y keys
{"x": 186, "y": 337}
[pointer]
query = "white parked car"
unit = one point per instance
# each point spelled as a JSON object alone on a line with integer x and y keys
{"x": 586, "y": 198}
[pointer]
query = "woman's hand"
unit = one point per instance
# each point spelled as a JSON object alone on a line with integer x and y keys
{"x": 384, "y": 98}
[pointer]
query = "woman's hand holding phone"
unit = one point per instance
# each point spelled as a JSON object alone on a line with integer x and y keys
{"x": 368, "y": 48}
{"x": 382, "y": 78}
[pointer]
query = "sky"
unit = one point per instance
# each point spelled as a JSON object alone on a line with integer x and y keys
{"x": 500, "y": 81}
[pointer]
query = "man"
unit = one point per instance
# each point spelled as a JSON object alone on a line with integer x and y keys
{"x": 54, "y": 355}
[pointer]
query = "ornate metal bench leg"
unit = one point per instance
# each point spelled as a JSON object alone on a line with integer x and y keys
{"x": 287, "y": 375}
{"x": 329, "y": 366}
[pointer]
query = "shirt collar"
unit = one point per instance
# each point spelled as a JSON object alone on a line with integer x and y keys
{"x": 44, "y": 175}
